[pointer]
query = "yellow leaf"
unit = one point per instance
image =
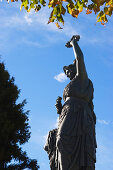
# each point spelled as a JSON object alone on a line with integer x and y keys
{"x": 80, "y": 8}
{"x": 58, "y": 25}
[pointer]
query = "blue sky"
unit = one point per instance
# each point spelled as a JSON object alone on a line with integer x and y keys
{"x": 35, "y": 53}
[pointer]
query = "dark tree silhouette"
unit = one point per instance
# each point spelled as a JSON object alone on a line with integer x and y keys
{"x": 14, "y": 126}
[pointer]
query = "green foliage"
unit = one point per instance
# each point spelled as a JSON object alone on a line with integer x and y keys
{"x": 102, "y": 8}
{"x": 14, "y": 127}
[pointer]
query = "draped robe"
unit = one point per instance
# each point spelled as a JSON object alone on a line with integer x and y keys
{"x": 76, "y": 143}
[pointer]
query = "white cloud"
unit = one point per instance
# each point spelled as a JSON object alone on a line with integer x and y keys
{"x": 30, "y": 42}
{"x": 102, "y": 122}
{"x": 28, "y": 20}
{"x": 31, "y": 25}
{"x": 60, "y": 77}
{"x": 41, "y": 19}
{"x": 11, "y": 21}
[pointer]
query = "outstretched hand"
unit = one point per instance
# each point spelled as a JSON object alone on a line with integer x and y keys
{"x": 74, "y": 38}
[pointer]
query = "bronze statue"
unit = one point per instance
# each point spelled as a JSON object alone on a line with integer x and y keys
{"x": 75, "y": 139}
{"x": 50, "y": 148}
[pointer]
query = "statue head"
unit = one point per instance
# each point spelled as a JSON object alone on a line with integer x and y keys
{"x": 70, "y": 70}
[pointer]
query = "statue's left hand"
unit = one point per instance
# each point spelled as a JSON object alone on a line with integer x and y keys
{"x": 74, "y": 39}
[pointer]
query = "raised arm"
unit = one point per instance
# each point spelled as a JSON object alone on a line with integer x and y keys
{"x": 80, "y": 65}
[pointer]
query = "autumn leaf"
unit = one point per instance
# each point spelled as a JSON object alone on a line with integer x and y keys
{"x": 51, "y": 18}
{"x": 63, "y": 10}
{"x": 96, "y": 9}
{"x": 106, "y": 10}
{"x": 37, "y": 8}
{"x": 58, "y": 25}
{"x": 88, "y": 11}
{"x": 103, "y": 23}
{"x": 75, "y": 13}
{"x": 101, "y": 8}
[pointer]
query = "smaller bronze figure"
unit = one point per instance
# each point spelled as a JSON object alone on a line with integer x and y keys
{"x": 50, "y": 148}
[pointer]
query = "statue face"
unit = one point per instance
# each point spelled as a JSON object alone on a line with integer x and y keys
{"x": 70, "y": 74}
{"x": 70, "y": 71}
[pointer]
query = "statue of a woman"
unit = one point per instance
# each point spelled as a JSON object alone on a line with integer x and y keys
{"x": 75, "y": 140}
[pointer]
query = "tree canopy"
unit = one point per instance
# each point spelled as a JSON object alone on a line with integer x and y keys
{"x": 14, "y": 126}
{"x": 102, "y": 8}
